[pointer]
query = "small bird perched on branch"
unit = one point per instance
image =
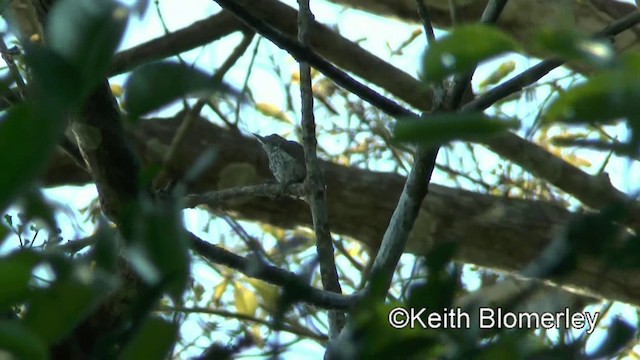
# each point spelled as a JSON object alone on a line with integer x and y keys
{"x": 286, "y": 159}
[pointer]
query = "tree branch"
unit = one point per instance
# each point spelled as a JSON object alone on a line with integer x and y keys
{"x": 316, "y": 190}
{"x": 271, "y": 274}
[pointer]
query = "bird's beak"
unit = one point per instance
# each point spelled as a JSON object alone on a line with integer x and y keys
{"x": 259, "y": 137}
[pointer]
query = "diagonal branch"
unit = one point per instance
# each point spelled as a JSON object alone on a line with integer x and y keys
{"x": 271, "y": 274}
{"x": 197, "y": 34}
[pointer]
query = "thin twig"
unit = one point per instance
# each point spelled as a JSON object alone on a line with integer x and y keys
{"x": 173, "y": 154}
{"x": 214, "y": 199}
{"x": 316, "y": 193}
{"x": 462, "y": 82}
{"x": 254, "y": 245}
{"x": 296, "y": 330}
{"x": 439, "y": 92}
{"x": 245, "y": 84}
{"x": 453, "y": 12}
{"x": 13, "y": 69}
{"x": 238, "y": 51}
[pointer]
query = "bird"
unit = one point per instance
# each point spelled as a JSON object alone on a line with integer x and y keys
{"x": 286, "y": 159}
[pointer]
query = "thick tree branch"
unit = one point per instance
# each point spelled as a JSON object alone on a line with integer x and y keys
{"x": 197, "y": 34}
{"x": 102, "y": 141}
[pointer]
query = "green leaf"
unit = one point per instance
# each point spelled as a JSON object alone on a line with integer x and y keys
{"x": 442, "y": 128}
{"x": 153, "y": 341}
{"x": 15, "y": 274}
{"x": 105, "y": 251}
{"x": 55, "y": 311}
{"x": 57, "y": 83}
{"x": 26, "y": 142}
{"x": 153, "y": 86}
{"x": 87, "y": 33}
{"x": 22, "y": 343}
{"x": 378, "y": 340}
{"x": 604, "y": 98}
{"x": 571, "y": 44}
{"x": 3, "y": 233}
{"x": 440, "y": 288}
{"x": 158, "y": 246}
{"x": 463, "y": 49}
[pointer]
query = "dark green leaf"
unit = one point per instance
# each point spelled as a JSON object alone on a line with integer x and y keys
{"x": 440, "y": 288}
{"x": 26, "y": 142}
{"x": 445, "y": 127}
{"x": 574, "y": 45}
{"x": 15, "y": 274}
{"x": 159, "y": 248}
{"x": 604, "y": 98}
{"x": 21, "y": 342}
{"x": 463, "y": 49}
{"x": 57, "y": 83}
{"x": 441, "y": 255}
{"x": 86, "y": 33}
{"x": 378, "y": 340}
{"x": 153, "y": 341}
{"x": 3, "y": 233}
{"x": 54, "y": 312}
{"x": 153, "y": 86}
{"x": 105, "y": 252}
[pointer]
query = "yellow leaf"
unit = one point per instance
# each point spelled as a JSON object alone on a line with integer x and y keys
{"x": 295, "y": 77}
{"x": 354, "y": 251}
{"x": 116, "y": 89}
{"x": 219, "y": 290}
{"x": 577, "y": 161}
{"x": 499, "y": 74}
{"x": 273, "y": 111}
{"x": 274, "y": 231}
{"x": 256, "y": 335}
{"x": 245, "y": 299}
{"x": 269, "y": 293}
{"x": 343, "y": 160}
{"x": 324, "y": 87}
